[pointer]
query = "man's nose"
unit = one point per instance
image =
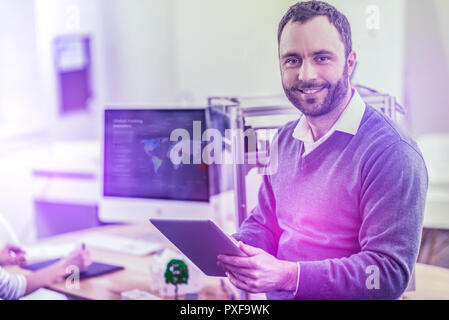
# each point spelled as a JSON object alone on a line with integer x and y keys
{"x": 307, "y": 72}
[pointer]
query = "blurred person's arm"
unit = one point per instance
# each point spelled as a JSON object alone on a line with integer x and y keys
{"x": 58, "y": 271}
{"x": 11, "y": 286}
{"x": 15, "y": 286}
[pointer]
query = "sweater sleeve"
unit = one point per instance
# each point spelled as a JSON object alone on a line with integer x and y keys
{"x": 261, "y": 228}
{"x": 392, "y": 199}
{"x": 12, "y": 287}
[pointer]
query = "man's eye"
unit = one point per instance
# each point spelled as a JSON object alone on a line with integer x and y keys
{"x": 292, "y": 61}
{"x": 322, "y": 59}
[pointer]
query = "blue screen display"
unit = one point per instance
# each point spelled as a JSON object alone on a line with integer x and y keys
{"x": 137, "y": 149}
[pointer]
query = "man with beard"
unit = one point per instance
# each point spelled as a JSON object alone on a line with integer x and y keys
{"x": 342, "y": 216}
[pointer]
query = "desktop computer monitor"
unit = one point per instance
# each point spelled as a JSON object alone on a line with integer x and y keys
{"x": 140, "y": 180}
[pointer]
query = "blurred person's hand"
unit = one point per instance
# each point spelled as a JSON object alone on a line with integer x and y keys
{"x": 79, "y": 258}
{"x": 58, "y": 271}
{"x": 12, "y": 255}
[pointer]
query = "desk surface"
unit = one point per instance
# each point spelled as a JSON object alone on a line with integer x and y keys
{"x": 136, "y": 274}
{"x": 431, "y": 282}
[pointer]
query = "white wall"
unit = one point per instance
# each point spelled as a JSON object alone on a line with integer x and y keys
{"x": 380, "y": 52}
{"x": 230, "y": 48}
{"x": 19, "y": 88}
{"x": 29, "y": 96}
{"x": 132, "y": 56}
{"x": 227, "y": 47}
{"x": 20, "y": 109}
{"x": 427, "y": 66}
{"x": 161, "y": 52}
{"x": 66, "y": 17}
{"x": 138, "y": 54}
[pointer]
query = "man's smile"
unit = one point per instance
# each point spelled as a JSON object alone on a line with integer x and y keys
{"x": 309, "y": 92}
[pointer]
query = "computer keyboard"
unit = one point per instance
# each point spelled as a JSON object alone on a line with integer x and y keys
{"x": 122, "y": 244}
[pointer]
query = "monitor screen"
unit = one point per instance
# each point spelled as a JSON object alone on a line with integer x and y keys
{"x": 137, "y": 148}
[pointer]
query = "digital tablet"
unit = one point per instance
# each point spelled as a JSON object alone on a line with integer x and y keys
{"x": 93, "y": 270}
{"x": 199, "y": 240}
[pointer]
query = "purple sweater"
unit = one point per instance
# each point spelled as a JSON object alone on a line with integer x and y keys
{"x": 350, "y": 212}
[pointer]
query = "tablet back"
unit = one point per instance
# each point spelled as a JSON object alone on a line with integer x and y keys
{"x": 199, "y": 240}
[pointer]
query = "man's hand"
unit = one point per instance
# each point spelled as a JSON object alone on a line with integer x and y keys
{"x": 11, "y": 255}
{"x": 259, "y": 271}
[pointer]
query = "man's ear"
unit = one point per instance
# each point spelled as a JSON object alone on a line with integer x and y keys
{"x": 351, "y": 62}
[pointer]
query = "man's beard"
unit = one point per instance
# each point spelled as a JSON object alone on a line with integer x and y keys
{"x": 335, "y": 95}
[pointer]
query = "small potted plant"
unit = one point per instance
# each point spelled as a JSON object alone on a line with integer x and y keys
{"x": 176, "y": 273}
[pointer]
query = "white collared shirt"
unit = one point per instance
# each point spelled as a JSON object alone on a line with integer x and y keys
{"x": 349, "y": 122}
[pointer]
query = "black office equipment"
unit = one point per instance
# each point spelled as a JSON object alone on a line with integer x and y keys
{"x": 93, "y": 270}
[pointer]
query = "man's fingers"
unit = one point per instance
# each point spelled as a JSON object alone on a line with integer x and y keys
{"x": 241, "y": 262}
{"x": 247, "y": 273}
{"x": 236, "y": 282}
{"x": 249, "y": 250}
{"x": 240, "y": 282}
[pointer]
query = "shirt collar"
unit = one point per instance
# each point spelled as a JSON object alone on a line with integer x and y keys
{"x": 349, "y": 120}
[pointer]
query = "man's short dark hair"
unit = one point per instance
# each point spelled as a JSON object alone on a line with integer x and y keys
{"x": 304, "y": 11}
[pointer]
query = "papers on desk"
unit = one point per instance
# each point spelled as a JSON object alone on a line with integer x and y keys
{"x": 122, "y": 244}
{"x": 138, "y": 295}
{"x": 45, "y": 294}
